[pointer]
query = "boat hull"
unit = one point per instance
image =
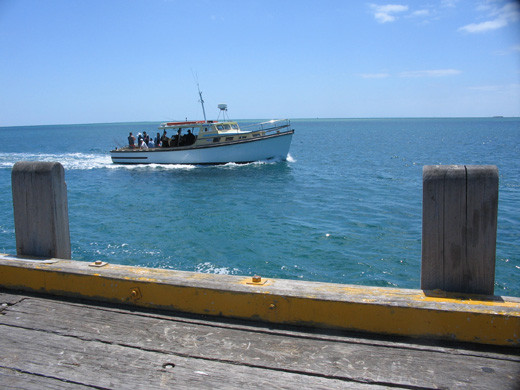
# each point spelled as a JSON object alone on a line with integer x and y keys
{"x": 274, "y": 146}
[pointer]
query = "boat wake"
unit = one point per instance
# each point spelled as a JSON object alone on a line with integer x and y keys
{"x": 78, "y": 161}
{"x": 163, "y": 167}
{"x": 70, "y": 161}
{"x": 261, "y": 162}
{"x": 88, "y": 161}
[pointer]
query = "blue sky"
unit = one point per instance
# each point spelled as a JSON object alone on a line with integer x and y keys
{"x": 88, "y": 61}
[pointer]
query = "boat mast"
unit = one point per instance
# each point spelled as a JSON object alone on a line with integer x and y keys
{"x": 202, "y": 102}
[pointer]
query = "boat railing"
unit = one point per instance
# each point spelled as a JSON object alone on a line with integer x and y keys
{"x": 269, "y": 126}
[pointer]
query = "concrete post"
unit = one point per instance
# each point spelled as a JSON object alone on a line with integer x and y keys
{"x": 41, "y": 216}
{"x": 460, "y": 206}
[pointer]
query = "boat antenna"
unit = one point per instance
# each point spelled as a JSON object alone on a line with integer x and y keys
{"x": 202, "y": 103}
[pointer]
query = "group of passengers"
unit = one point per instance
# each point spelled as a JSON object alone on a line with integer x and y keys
{"x": 177, "y": 139}
{"x": 144, "y": 141}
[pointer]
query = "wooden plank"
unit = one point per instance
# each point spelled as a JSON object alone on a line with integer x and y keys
{"x": 432, "y": 270}
{"x": 19, "y": 379}
{"x": 455, "y": 262}
{"x": 10, "y": 298}
{"x": 41, "y": 216}
{"x": 7, "y": 300}
{"x": 351, "y": 359}
{"x": 97, "y": 315}
{"x": 107, "y": 365}
{"x": 460, "y": 206}
{"x": 482, "y": 206}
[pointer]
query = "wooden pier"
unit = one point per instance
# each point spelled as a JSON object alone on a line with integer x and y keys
{"x": 71, "y": 324}
{"x": 51, "y": 343}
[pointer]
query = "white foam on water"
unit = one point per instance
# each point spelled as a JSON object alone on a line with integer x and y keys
{"x": 80, "y": 161}
{"x": 209, "y": 268}
{"x": 150, "y": 166}
{"x": 254, "y": 163}
{"x": 88, "y": 161}
{"x": 69, "y": 161}
{"x": 171, "y": 166}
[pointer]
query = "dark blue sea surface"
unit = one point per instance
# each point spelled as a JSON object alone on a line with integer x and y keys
{"x": 346, "y": 207}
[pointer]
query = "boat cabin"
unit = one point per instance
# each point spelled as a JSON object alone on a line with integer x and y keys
{"x": 200, "y": 133}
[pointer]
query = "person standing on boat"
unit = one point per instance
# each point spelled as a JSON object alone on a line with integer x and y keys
{"x": 165, "y": 140}
{"x": 146, "y": 138}
{"x": 190, "y": 138}
{"x": 175, "y": 139}
{"x": 131, "y": 140}
{"x": 158, "y": 140}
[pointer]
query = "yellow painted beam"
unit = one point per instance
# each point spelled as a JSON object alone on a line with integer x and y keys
{"x": 472, "y": 318}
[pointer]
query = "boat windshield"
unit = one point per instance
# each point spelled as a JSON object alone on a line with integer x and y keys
{"x": 227, "y": 126}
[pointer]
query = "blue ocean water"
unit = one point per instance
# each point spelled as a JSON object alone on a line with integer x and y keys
{"x": 346, "y": 207}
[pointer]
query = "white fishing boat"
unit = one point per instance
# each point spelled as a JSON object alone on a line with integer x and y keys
{"x": 212, "y": 142}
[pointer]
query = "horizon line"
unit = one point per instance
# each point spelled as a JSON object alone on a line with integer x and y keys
{"x": 262, "y": 119}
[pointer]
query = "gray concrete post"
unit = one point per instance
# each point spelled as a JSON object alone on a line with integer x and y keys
{"x": 41, "y": 216}
{"x": 460, "y": 207}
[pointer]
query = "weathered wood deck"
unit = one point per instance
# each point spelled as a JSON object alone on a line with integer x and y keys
{"x": 51, "y": 343}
